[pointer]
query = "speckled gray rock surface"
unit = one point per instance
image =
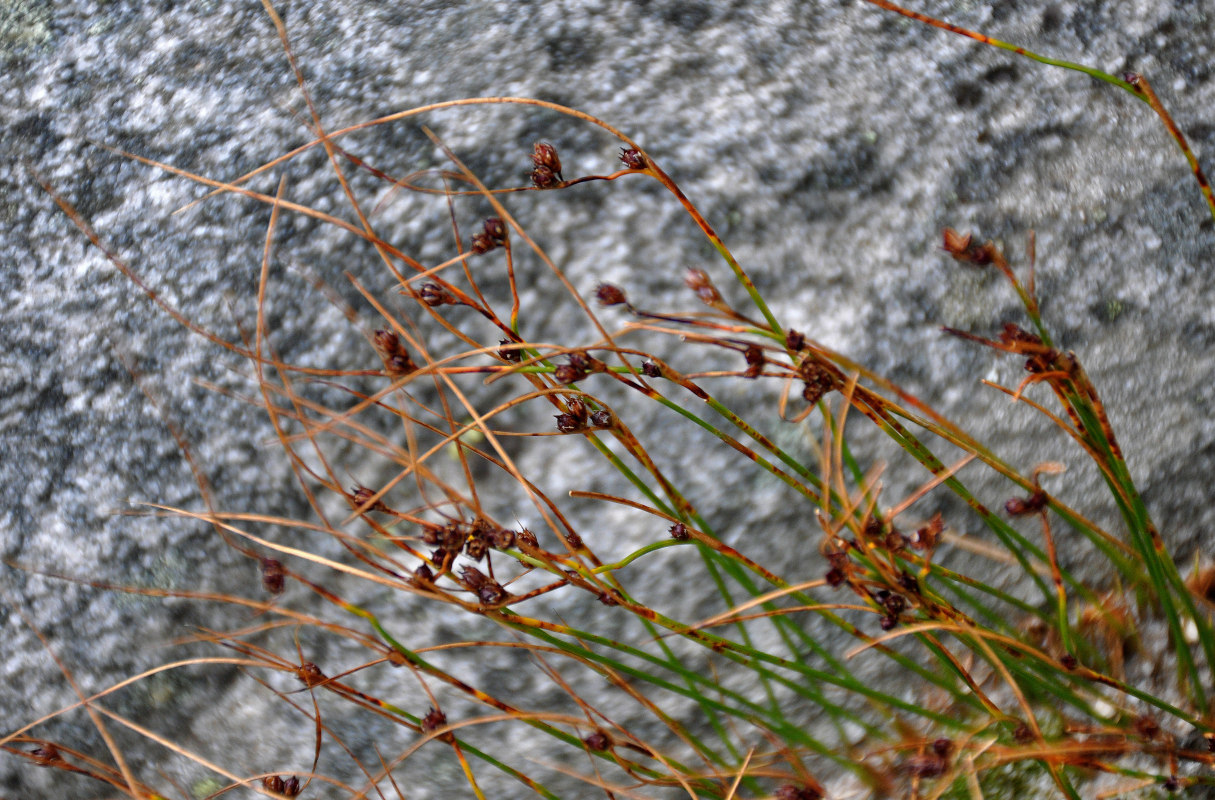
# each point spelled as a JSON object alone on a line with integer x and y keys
{"x": 828, "y": 142}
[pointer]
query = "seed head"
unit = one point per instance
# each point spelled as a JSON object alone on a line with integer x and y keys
{"x": 545, "y": 155}
{"x": 492, "y": 235}
{"x": 679, "y": 532}
{"x": 795, "y": 340}
{"x": 632, "y": 158}
{"x": 597, "y": 741}
{"x": 273, "y": 575}
{"x": 962, "y": 248}
{"x": 698, "y": 281}
{"x": 508, "y": 353}
{"x": 545, "y": 178}
{"x": 754, "y": 354}
{"x": 609, "y": 295}
{"x": 432, "y": 294}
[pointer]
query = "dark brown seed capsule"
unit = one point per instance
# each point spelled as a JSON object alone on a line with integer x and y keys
{"x": 422, "y": 575}
{"x": 679, "y": 532}
{"x": 432, "y": 294}
{"x": 493, "y": 234}
{"x": 360, "y": 496}
{"x": 544, "y": 178}
{"x": 632, "y": 158}
{"x": 888, "y": 622}
{"x": 585, "y": 362}
{"x": 386, "y": 342}
{"x": 576, "y": 407}
{"x": 597, "y": 741}
{"x": 602, "y": 419}
{"x": 817, "y": 378}
{"x": 526, "y": 540}
{"x": 698, "y": 281}
{"x": 791, "y": 792}
{"x": 273, "y": 783}
{"x": 291, "y": 786}
{"x": 433, "y": 720}
{"x": 1018, "y": 507}
{"x": 545, "y": 155}
{"x": 508, "y": 353}
{"x": 274, "y": 577}
{"x": 1068, "y": 661}
{"x": 651, "y": 370}
{"x": 926, "y": 537}
{"x": 568, "y": 423}
{"x": 795, "y": 340}
{"x": 46, "y": 755}
{"x": 501, "y": 538}
{"x": 1172, "y": 784}
{"x": 754, "y": 354}
{"x": 491, "y": 593}
{"x": 835, "y": 577}
{"x": 608, "y": 599}
{"x": 496, "y": 230}
{"x": 310, "y": 674}
{"x": 474, "y": 577}
{"x": 609, "y": 295}
{"x": 573, "y": 540}
{"x": 396, "y": 358}
{"x": 566, "y": 374}
{"x": 894, "y": 604}
{"x": 477, "y": 546}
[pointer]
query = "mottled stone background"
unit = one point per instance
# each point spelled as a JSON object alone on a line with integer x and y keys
{"x": 828, "y": 142}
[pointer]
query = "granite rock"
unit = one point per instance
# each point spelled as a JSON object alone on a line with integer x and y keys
{"x": 828, "y": 144}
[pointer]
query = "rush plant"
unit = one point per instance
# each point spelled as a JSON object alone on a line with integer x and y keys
{"x": 990, "y": 685}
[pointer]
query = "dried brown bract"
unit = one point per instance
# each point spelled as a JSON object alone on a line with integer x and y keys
{"x": 963, "y": 248}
